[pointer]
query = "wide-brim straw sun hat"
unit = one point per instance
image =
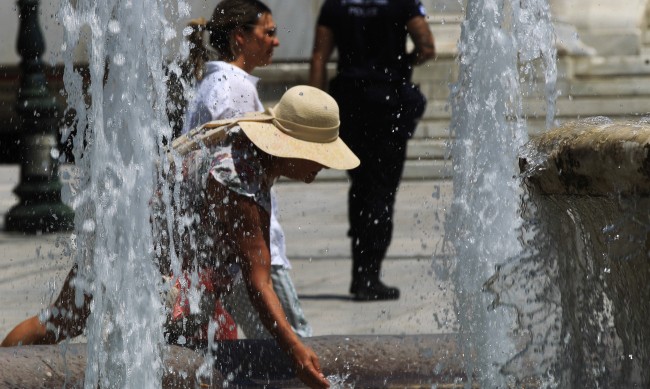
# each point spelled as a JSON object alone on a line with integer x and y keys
{"x": 304, "y": 124}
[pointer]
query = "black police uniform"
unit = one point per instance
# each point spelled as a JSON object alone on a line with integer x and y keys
{"x": 379, "y": 108}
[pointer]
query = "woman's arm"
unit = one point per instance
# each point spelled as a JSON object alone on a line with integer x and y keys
{"x": 249, "y": 224}
{"x": 63, "y": 326}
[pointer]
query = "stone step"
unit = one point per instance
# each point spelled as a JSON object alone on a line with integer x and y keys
{"x": 426, "y": 149}
{"x": 432, "y": 129}
{"x": 615, "y": 106}
{"x": 607, "y": 87}
{"x": 445, "y": 17}
{"x": 612, "y": 66}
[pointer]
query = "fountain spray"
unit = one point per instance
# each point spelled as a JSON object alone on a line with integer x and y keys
{"x": 121, "y": 127}
{"x": 499, "y": 41}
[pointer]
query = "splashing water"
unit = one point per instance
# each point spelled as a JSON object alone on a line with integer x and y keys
{"x": 338, "y": 381}
{"x": 500, "y": 40}
{"x": 121, "y": 125}
{"x": 575, "y": 286}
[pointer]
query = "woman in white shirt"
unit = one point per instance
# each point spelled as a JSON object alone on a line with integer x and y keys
{"x": 244, "y": 35}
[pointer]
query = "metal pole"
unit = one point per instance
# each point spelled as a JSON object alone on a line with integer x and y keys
{"x": 40, "y": 208}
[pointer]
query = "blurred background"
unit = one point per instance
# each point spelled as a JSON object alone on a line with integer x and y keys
{"x": 603, "y": 66}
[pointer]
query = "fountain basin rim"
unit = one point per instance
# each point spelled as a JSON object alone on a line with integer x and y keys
{"x": 590, "y": 158}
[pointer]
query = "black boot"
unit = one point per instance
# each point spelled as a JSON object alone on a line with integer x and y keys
{"x": 366, "y": 267}
{"x": 374, "y": 290}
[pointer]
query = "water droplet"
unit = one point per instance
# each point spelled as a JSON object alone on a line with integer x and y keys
{"x": 170, "y": 34}
{"x": 88, "y": 225}
{"x": 54, "y": 153}
{"x": 119, "y": 59}
{"x": 114, "y": 26}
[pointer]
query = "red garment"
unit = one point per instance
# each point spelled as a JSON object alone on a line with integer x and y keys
{"x": 226, "y": 326}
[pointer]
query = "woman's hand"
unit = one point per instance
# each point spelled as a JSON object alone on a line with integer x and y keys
{"x": 308, "y": 367}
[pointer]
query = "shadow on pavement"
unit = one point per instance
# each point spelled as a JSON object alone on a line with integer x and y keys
{"x": 325, "y": 296}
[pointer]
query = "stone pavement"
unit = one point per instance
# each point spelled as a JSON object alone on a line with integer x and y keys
{"x": 314, "y": 218}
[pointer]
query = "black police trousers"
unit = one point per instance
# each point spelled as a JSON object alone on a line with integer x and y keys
{"x": 377, "y": 120}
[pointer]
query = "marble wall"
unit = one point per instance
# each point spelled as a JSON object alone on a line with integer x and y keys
{"x": 612, "y": 28}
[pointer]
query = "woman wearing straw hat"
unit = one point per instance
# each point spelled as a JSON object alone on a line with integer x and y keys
{"x": 225, "y": 171}
{"x": 227, "y": 175}
{"x": 243, "y": 33}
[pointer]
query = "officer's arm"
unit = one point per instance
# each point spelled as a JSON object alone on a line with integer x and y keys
{"x": 418, "y": 30}
{"x": 323, "y": 48}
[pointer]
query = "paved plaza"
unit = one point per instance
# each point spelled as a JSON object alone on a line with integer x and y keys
{"x": 314, "y": 218}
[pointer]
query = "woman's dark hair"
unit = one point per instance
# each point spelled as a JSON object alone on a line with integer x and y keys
{"x": 228, "y": 16}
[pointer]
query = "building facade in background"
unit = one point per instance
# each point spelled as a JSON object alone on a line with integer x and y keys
{"x": 603, "y": 51}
